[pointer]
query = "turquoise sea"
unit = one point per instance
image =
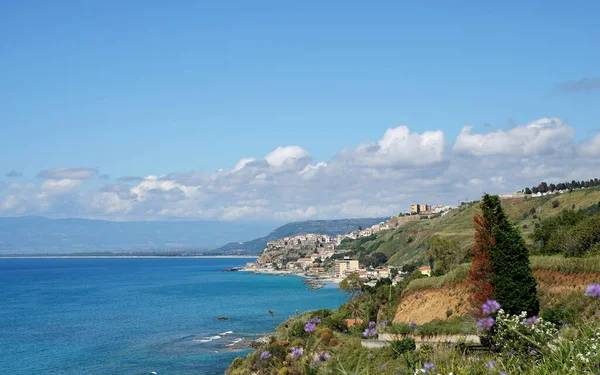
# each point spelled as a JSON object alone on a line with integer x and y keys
{"x": 137, "y": 316}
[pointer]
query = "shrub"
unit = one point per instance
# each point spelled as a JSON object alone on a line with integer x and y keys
{"x": 403, "y": 346}
{"x": 519, "y": 335}
{"x": 555, "y": 203}
{"x": 559, "y": 314}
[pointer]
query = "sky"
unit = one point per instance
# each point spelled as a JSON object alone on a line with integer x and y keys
{"x": 282, "y": 111}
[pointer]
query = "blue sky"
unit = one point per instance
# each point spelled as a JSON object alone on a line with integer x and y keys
{"x": 150, "y": 88}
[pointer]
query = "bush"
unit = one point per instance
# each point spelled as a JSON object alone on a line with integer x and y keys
{"x": 555, "y": 203}
{"x": 403, "y": 346}
{"x": 559, "y": 314}
{"x": 519, "y": 335}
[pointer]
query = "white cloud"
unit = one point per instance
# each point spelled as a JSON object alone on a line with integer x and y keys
{"x": 59, "y": 186}
{"x": 371, "y": 179}
{"x": 591, "y": 148}
{"x": 400, "y": 148}
{"x": 282, "y": 156}
{"x": 542, "y": 136}
{"x": 242, "y": 163}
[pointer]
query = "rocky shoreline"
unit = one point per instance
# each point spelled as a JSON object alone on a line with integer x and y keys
{"x": 313, "y": 281}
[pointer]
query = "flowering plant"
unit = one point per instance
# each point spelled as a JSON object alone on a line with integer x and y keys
{"x": 519, "y": 334}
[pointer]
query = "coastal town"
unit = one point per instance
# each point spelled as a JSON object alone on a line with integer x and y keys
{"x": 322, "y": 258}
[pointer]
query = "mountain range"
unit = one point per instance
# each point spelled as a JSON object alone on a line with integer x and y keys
{"x": 41, "y": 235}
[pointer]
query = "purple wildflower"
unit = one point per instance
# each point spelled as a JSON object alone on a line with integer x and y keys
{"x": 297, "y": 352}
{"x": 315, "y": 320}
{"x": 490, "y": 365}
{"x": 372, "y": 324}
{"x": 510, "y": 354}
{"x": 382, "y": 367}
{"x": 265, "y": 355}
{"x": 429, "y": 367}
{"x": 533, "y": 352}
{"x": 530, "y": 322}
{"x": 370, "y": 332}
{"x": 369, "y": 356}
{"x": 593, "y": 290}
{"x": 490, "y": 307}
{"x": 324, "y": 356}
{"x": 417, "y": 296}
{"x": 310, "y": 327}
{"x": 485, "y": 324}
{"x": 502, "y": 373}
{"x": 383, "y": 323}
{"x": 412, "y": 323}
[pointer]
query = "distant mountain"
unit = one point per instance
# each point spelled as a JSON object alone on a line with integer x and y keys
{"x": 329, "y": 227}
{"x": 34, "y": 234}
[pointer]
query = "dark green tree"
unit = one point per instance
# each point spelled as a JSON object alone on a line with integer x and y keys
{"x": 512, "y": 277}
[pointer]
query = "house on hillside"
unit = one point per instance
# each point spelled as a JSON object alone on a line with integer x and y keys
{"x": 425, "y": 270}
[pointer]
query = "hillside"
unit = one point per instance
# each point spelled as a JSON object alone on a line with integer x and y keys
{"x": 560, "y": 280}
{"x": 35, "y": 234}
{"x": 408, "y": 243}
{"x": 329, "y": 227}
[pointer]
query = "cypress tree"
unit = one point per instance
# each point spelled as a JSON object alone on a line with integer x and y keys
{"x": 500, "y": 266}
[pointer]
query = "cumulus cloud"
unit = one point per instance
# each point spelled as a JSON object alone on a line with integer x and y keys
{"x": 542, "y": 136}
{"x": 400, "y": 148}
{"x": 13, "y": 173}
{"x": 68, "y": 173}
{"x": 59, "y": 186}
{"x": 591, "y": 148}
{"x": 287, "y": 155}
{"x": 585, "y": 84}
{"x": 379, "y": 178}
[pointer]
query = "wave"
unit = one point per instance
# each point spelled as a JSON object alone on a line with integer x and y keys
{"x": 226, "y": 333}
{"x": 235, "y": 342}
{"x": 207, "y": 339}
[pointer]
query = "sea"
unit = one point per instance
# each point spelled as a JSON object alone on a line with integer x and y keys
{"x": 80, "y": 316}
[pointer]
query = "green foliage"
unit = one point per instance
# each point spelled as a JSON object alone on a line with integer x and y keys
{"x": 584, "y": 236}
{"x": 374, "y": 260}
{"x": 512, "y": 278}
{"x": 513, "y": 333}
{"x": 444, "y": 254}
{"x": 559, "y": 314}
{"x": 555, "y": 203}
{"x": 553, "y": 232}
{"x": 404, "y": 345}
{"x": 352, "y": 284}
{"x": 455, "y": 276}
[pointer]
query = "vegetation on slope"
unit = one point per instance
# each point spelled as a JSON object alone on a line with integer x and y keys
{"x": 328, "y": 341}
{"x": 409, "y": 243}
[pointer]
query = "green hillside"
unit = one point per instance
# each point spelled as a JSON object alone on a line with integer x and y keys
{"x": 407, "y": 244}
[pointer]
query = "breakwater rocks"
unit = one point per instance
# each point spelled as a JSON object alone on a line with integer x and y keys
{"x": 233, "y": 269}
{"x": 313, "y": 284}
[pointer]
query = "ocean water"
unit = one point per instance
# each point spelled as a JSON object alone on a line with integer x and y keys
{"x": 136, "y": 316}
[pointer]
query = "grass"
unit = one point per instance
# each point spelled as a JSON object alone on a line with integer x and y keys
{"x": 458, "y": 224}
{"x": 566, "y": 265}
{"x": 460, "y": 325}
{"x": 553, "y": 263}
{"x": 455, "y": 276}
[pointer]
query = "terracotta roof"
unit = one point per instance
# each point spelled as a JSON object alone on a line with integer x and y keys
{"x": 425, "y": 268}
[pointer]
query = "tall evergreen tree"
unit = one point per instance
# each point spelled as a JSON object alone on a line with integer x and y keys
{"x": 505, "y": 258}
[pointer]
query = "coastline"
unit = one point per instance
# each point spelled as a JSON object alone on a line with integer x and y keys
{"x": 269, "y": 271}
{"x": 126, "y": 256}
